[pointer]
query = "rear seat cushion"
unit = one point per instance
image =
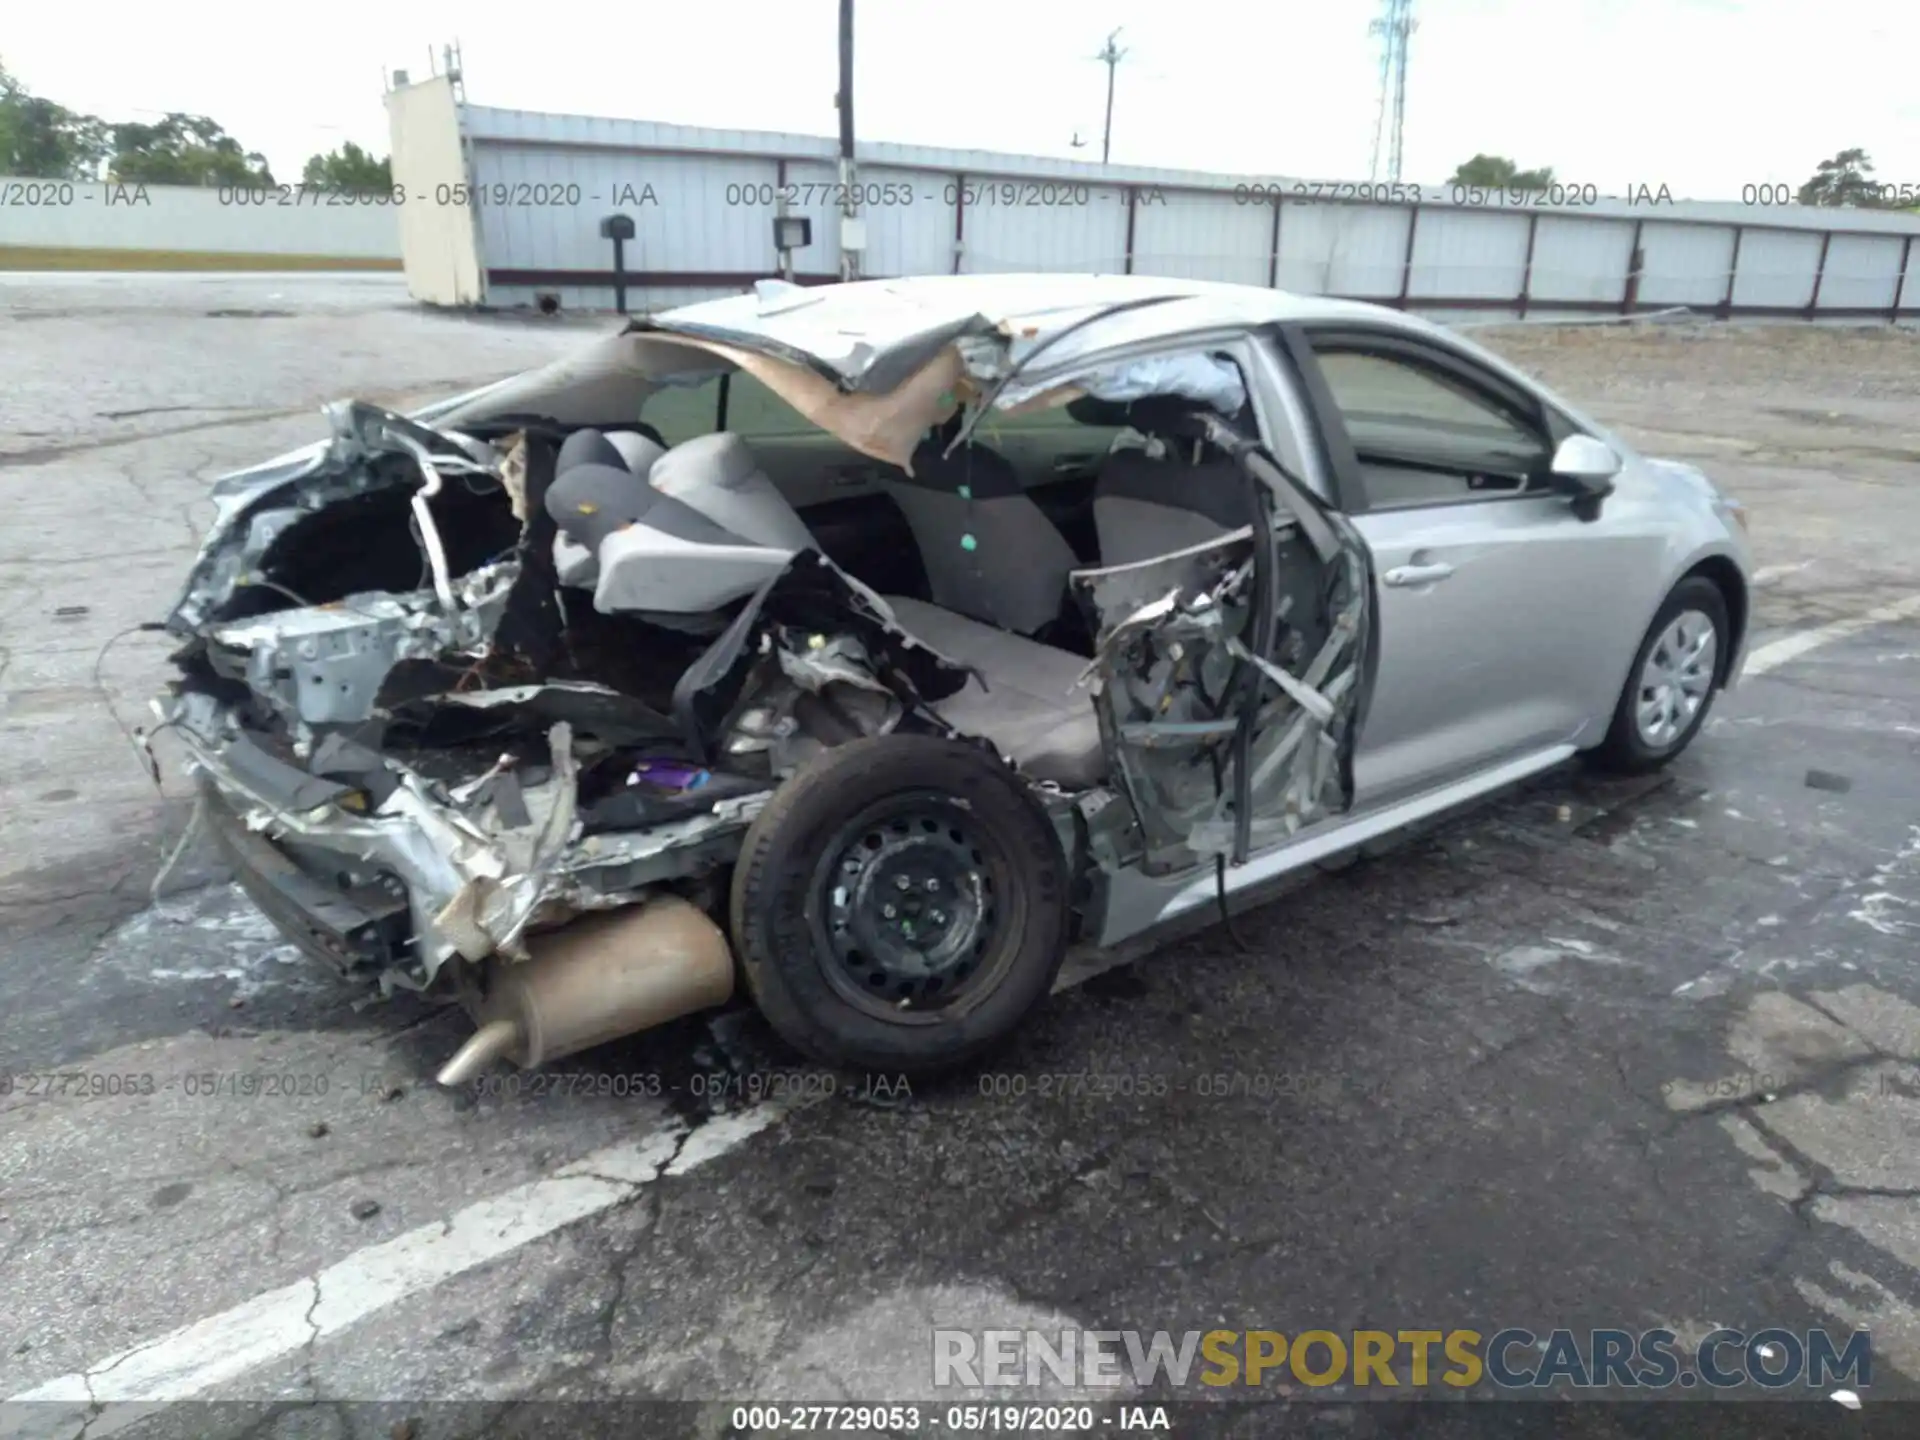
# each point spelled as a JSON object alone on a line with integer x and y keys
{"x": 1032, "y": 707}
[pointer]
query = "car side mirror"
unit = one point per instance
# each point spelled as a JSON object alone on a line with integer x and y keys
{"x": 1583, "y": 470}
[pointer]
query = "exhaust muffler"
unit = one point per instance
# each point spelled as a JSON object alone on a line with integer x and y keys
{"x": 595, "y": 979}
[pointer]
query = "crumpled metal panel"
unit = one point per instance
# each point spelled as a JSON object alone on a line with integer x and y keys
{"x": 324, "y": 664}
{"x": 1171, "y": 652}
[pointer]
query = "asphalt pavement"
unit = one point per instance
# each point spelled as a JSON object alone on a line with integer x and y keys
{"x": 1596, "y": 1054}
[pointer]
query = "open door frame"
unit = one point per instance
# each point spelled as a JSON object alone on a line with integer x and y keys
{"x": 1230, "y": 676}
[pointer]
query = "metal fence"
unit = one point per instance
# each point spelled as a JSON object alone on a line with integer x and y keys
{"x": 534, "y": 190}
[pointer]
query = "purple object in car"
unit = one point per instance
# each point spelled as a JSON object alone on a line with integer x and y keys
{"x": 668, "y": 775}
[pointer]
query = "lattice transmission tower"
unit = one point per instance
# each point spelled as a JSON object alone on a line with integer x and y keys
{"x": 1394, "y": 25}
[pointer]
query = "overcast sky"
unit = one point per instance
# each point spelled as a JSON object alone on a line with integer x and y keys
{"x": 1703, "y": 96}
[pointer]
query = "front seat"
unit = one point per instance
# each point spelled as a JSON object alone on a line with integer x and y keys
{"x": 599, "y": 483}
{"x": 719, "y": 476}
{"x": 715, "y": 530}
{"x": 989, "y": 551}
{"x": 1144, "y": 507}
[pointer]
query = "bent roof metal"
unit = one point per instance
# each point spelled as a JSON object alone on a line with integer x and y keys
{"x": 832, "y": 322}
{"x": 813, "y": 348}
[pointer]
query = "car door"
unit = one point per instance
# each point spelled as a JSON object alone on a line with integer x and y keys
{"x": 1229, "y": 675}
{"x": 1494, "y": 591}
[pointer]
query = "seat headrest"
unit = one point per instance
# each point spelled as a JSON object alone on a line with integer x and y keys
{"x": 1169, "y": 416}
{"x": 718, "y": 476}
{"x": 586, "y": 447}
{"x": 721, "y": 460}
{"x": 589, "y": 501}
{"x": 639, "y": 451}
{"x": 986, "y": 473}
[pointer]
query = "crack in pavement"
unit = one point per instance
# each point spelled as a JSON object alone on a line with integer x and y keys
{"x": 41, "y": 455}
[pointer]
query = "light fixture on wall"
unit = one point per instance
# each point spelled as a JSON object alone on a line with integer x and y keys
{"x": 791, "y": 233}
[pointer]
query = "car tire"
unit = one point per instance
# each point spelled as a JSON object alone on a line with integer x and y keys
{"x": 900, "y": 905}
{"x": 1635, "y": 746}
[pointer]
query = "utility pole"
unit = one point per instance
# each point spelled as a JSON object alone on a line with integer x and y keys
{"x": 852, "y": 233}
{"x": 1110, "y": 55}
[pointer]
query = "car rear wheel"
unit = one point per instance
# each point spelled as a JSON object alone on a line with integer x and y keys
{"x": 1676, "y": 673}
{"x": 900, "y": 905}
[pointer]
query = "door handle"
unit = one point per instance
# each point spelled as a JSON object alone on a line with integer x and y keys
{"x": 1404, "y": 575}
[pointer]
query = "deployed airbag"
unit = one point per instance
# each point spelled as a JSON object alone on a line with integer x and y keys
{"x": 1212, "y": 381}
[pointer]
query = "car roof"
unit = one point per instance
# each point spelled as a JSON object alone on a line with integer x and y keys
{"x": 847, "y": 326}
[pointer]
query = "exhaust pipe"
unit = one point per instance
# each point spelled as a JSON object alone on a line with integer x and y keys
{"x": 600, "y": 977}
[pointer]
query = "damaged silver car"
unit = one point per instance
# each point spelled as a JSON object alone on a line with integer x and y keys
{"x": 866, "y": 646}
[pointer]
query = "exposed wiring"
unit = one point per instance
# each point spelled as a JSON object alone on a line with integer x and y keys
{"x": 195, "y": 818}
{"x": 135, "y": 736}
{"x": 1226, "y": 914}
{"x": 302, "y": 600}
{"x": 1220, "y": 860}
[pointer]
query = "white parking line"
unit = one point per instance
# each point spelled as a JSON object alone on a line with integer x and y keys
{"x": 1791, "y": 647}
{"x": 193, "y": 1360}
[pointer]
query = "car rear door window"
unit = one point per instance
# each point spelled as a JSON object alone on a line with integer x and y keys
{"x": 1427, "y": 437}
{"x": 680, "y": 412}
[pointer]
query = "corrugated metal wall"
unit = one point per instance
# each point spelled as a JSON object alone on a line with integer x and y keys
{"x": 703, "y": 204}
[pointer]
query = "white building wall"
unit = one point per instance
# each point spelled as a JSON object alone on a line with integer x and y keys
{"x": 436, "y": 222}
{"x": 1777, "y": 268}
{"x": 1861, "y": 270}
{"x": 52, "y": 224}
{"x": 703, "y": 203}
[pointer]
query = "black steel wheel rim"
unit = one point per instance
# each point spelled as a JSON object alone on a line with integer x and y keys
{"x": 906, "y": 909}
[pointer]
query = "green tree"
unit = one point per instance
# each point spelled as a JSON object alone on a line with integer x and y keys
{"x": 1844, "y": 180}
{"x": 40, "y": 140}
{"x": 184, "y": 150}
{"x": 1496, "y": 172}
{"x": 348, "y": 168}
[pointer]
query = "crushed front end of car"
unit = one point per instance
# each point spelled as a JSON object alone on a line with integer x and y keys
{"x": 430, "y": 766}
{"x": 513, "y": 703}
